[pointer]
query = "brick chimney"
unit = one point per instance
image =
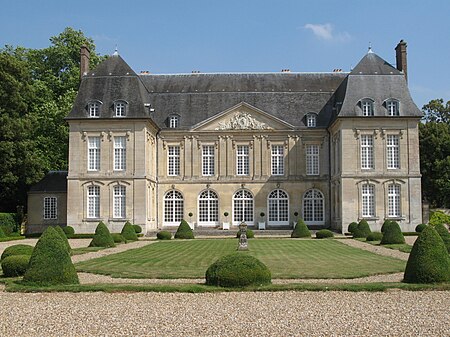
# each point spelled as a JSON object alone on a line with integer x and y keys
{"x": 84, "y": 60}
{"x": 400, "y": 53}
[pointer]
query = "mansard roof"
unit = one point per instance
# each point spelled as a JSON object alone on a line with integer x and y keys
{"x": 372, "y": 64}
{"x": 53, "y": 181}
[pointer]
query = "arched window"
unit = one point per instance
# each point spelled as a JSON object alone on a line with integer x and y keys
{"x": 243, "y": 207}
{"x": 208, "y": 208}
{"x": 278, "y": 208}
{"x": 119, "y": 192}
{"x": 394, "y": 209}
{"x": 313, "y": 207}
{"x": 94, "y": 108}
{"x": 173, "y": 121}
{"x": 367, "y": 107}
{"x": 173, "y": 208}
{"x": 392, "y": 106}
{"x": 368, "y": 200}
{"x": 93, "y": 202}
{"x": 120, "y": 108}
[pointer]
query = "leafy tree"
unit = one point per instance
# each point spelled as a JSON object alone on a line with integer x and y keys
{"x": 436, "y": 111}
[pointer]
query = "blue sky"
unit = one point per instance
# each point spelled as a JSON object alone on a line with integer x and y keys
{"x": 247, "y": 36}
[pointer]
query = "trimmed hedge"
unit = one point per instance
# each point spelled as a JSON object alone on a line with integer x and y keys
{"x": 8, "y": 222}
{"x": 118, "y": 238}
{"x": 69, "y": 231}
{"x": 428, "y": 261}
{"x": 352, "y": 227}
{"x": 362, "y": 230}
{"x": 444, "y": 234}
{"x": 250, "y": 234}
{"x": 50, "y": 263}
{"x": 15, "y": 265}
{"x": 128, "y": 232}
{"x": 383, "y": 227}
{"x": 64, "y": 238}
{"x": 420, "y": 227}
{"x": 17, "y": 250}
{"x": 324, "y": 234}
{"x": 164, "y": 235}
{"x": 392, "y": 234}
{"x": 238, "y": 270}
{"x": 374, "y": 236}
{"x": 102, "y": 237}
{"x": 137, "y": 229}
{"x": 184, "y": 231}
{"x": 301, "y": 230}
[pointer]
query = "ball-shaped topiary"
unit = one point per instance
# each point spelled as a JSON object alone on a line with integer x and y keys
{"x": 118, "y": 238}
{"x": 164, "y": 235}
{"x": 392, "y": 234}
{"x": 15, "y": 265}
{"x": 184, "y": 231}
{"x": 444, "y": 234}
{"x": 249, "y": 233}
{"x": 17, "y": 250}
{"x": 69, "y": 231}
{"x": 352, "y": 227}
{"x": 102, "y": 237}
{"x": 420, "y": 227}
{"x": 363, "y": 230}
{"x": 324, "y": 234}
{"x": 128, "y": 232}
{"x": 238, "y": 270}
{"x": 50, "y": 263}
{"x": 300, "y": 230}
{"x": 64, "y": 238}
{"x": 428, "y": 261}
{"x": 137, "y": 229}
{"x": 374, "y": 236}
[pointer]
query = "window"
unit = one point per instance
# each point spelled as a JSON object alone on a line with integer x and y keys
{"x": 173, "y": 161}
{"x": 119, "y": 201}
{"x": 94, "y": 109}
{"x": 120, "y": 153}
{"x": 243, "y": 207}
{"x": 243, "y": 160}
{"x": 311, "y": 120}
{"x": 367, "y": 152}
{"x": 173, "y": 122}
{"x": 120, "y": 109}
{"x": 208, "y": 208}
{"x": 368, "y": 200}
{"x": 394, "y": 200}
{"x": 277, "y": 160}
{"x": 173, "y": 207}
{"x": 50, "y": 208}
{"x": 313, "y": 207}
{"x": 93, "y": 202}
{"x": 278, "y": 208}
{"x": 93, "y": 153}
{"x": 393, "y": 152}
{"x": 393, "y": 107}
{"x": 208, "y": 160}
{"x": 312, "y": 160}
{"x": 367, "y": 107}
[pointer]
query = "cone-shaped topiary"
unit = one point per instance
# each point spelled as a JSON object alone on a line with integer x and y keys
{"x": 444, "y": 234}
{"x": 128, "y": 232}
{"x": 383, "y": 227}
{"x": 15, "y": 265}
{"x": 64, "y": 238}
{"x": 184, "y": 231}
{"x": 363, "y": 230}
{"x": 420, "y": 227}
{"x": 2, "y": 233}
{"x": 17, "y": 250}
{"x": 238, "y": 270}
{"x": 69, "y": 231}
{"x": 102, "y": 237}
{"x": 392, "y": 234}
{"x": 352, "y": 227}
{"x": 50, "y": 263}
{"x": 300, "y": 230}
{"x": 428, "y": 261}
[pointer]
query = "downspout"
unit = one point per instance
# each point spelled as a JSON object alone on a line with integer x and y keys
{"x": 329, "y": 176}
{"x": 156, "y": 180}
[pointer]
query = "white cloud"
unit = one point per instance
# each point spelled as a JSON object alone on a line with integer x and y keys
{"x": 326, "y": 32}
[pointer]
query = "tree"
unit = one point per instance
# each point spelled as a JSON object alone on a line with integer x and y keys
{"x": 436, "y": 111}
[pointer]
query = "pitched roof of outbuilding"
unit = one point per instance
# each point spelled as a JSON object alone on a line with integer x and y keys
{"x": 53, "y": 181}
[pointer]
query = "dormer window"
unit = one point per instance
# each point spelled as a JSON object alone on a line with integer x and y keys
{"x": 311, "y": 120}
{"x": 94, "y": 109}
{"x": 367, "y": 107}
{"x": 392, "y": 107}
{"x": 173, "y": 122}
{"x": 120, "y": 108}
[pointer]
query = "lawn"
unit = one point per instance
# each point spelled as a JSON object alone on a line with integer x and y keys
{"x": 286, "y": 258}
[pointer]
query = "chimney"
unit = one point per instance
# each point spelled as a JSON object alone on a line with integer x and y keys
{"x": 84, "y": 60}
{"x": 400, "y": 53}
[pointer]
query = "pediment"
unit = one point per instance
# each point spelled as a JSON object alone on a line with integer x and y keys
{"x": 242, "y": 116}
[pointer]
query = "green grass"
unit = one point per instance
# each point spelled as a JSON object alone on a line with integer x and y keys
{"x": 286, "y": 258}
{"x": 12, "y": 238}
{"x": 84, "y": 250}
{"x": 403, "y": 247}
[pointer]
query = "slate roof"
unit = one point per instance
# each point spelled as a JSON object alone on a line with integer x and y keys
{"x": 54, "y": 181}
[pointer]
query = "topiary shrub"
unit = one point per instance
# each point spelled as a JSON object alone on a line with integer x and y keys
{"x": 137, "y": 229}
{"x": 64, "y": 238}
{"x": 420, "y": 227}
{"x": 69, "y": 231}
{"x": 238, "y": 270}
{"x": 428, "y": 261}
{"x": 250, "y": 234}
{"x": 17, "y": 250}
{"x": 324, "y": 234}
{"x": 300, "y": 230}
{"x": 383, "y": 227}
{"x": 15, "y": 265}
{"x": 164, "y": 235}
{"x": 444, "y": 234}
{"x": 128, "y": 232}
{"x": 374, "y": 236}
{"x": 362, "y": 230}
{"x": 392, "y": 234}
{"x": 352, "y": 227}
{"x": 184, "y": 231}
{"x": 50, "y": 263}
{"x": 102, "y": 237}
{"x": 118, "y": 238}
{"x": 8, "y": 222}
